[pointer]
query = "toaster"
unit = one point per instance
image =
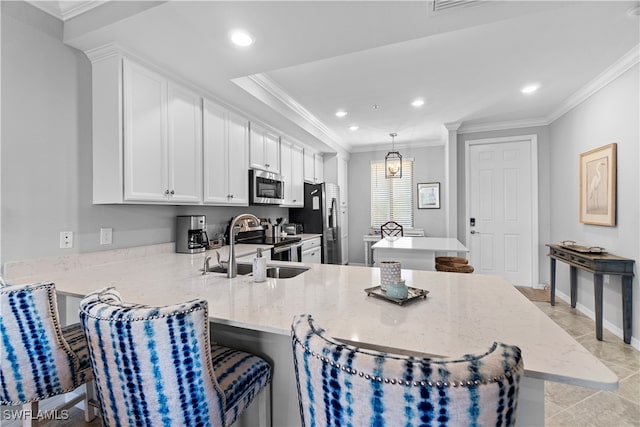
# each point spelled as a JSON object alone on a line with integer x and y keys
{"x": 292, "y": 228}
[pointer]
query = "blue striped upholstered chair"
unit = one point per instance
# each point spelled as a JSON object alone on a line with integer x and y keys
{"x": 39, "y": 358}
{"x": 343, "y": 385}
{"x": 154, "y": 366}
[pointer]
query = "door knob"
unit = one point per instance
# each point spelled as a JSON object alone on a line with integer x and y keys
{"x": 474, "y": 232}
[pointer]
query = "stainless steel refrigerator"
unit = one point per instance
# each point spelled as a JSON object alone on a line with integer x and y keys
{"x": 321, "y": 215}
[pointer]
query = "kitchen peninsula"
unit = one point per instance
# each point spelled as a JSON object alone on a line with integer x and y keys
{"x": 464, "y": 313}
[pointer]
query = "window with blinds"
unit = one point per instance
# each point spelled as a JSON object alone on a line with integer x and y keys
{"x": 392, "y": 198}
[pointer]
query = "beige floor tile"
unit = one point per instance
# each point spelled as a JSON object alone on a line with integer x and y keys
{"x": 565, "y": 395}
{"x": 612, "y": 350}
{"x": 630, "y": 388}
{"x": 602, "y": 409}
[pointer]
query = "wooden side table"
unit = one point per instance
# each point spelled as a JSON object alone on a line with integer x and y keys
{"x": 599, "y": 265}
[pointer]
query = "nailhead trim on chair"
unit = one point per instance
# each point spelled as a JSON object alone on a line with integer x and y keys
{"x": 401, "y": 382}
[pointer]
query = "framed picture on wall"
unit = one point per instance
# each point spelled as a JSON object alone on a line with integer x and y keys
{"x": 429, "y": 195}
{"x": 598, "y": 186}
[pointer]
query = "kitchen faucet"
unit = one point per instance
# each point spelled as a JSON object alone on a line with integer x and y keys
{"x": 232, "y": 267}
{"x": 205, "y": 270}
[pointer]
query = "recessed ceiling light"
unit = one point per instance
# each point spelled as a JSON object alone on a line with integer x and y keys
{"x": 530, "y": 88}
{"x": 341, "y": 113}
{"x": 241, "y": 38}
{"x": 418, "y": 102}
{"x": 354, "y": 127}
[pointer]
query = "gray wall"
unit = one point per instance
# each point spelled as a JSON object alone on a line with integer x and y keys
{"x": 610, "y": 115}
{"x": 46, "y": 151}
{"x": 428, "y": 167}
{"x": 544, "y": 215}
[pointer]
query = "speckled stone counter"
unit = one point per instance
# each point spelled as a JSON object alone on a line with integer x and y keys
{"x": 464, "y": 313}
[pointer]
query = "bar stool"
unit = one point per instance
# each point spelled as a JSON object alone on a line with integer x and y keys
{"x": 155, "y": 366}
{"x": 339, "y": 384}
{"x": 40, "y": 359}
{"x": 453, "y": 264}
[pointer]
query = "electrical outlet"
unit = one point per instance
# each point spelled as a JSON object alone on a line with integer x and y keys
{"x": 66, "y": 239}
{"x": 106, "y": 236}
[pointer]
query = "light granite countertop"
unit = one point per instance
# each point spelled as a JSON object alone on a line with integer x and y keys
{"x": 463, "y": 313}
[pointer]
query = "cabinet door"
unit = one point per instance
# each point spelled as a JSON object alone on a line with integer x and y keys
{"x": 216, "y": 164}
{"x": 312, "y": 255}
{"x": 184, "y": 145}
{"x": 297, "y": 177}
{"x": 238, "y": 163}
{"x": 256, "y": 146}
{"x": 309, "y": 166}
{"x": 285, "y": 171}
{"x": 343, "y": 181}
{"x": 145, "y": 135}
{"x": 271, "y": 152}
{"x": 318, "y": 166}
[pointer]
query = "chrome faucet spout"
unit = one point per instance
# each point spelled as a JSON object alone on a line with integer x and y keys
{"x": 232, "y": 267}
{"x": 205, "y": 270}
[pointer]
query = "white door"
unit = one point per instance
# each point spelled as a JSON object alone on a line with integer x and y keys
{"x": 216, "y": 186}
{"x": 272, "y": 152}
{"x": 502, "y": 208}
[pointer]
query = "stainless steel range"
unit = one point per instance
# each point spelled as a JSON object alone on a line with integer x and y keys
{"x": 284, "y": 248}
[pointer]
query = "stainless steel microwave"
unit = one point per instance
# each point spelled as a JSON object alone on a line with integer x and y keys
{"x": 265, "y": 188}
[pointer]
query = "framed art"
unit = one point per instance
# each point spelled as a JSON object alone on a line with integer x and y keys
{"x": 429, "y": 195}
{"x": 598, "y": 186}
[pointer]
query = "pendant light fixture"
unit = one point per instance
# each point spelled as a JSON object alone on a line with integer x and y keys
{"x": 393, "y": 161}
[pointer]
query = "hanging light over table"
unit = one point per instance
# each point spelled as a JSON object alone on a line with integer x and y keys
{"x": 393, "y": 161}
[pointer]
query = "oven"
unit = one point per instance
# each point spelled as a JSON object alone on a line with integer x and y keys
{"x": 288, "y": 251}
{"x": 265, "y": 188}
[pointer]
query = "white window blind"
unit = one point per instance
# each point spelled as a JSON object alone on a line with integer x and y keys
{"x": 392, "y": 198}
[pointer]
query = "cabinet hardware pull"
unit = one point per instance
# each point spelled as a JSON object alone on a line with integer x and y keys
{"x": 172, "y": 192}
{"x": 166, "y": 191}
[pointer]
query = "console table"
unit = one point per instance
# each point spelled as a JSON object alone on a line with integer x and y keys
{"x": 599, "y": 264}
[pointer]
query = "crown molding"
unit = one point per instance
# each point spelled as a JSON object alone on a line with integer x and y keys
{"x": 614, "y": 71}
{"x": 269, "y": 87}
{"x": 511, "y": 124}
{"x": 452, "y": 126}
{"x": 65, "y": 10}
{"x": 404, "y": 145}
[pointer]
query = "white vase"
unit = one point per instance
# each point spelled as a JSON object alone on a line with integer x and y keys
{"x": 389, "y": 273}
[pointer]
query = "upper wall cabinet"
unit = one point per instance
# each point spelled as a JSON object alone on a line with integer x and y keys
{"x": 336, "y": 170}
{"x": 291, "y": 159}
{"x": 226, "y": 157}
{"x": 264, "y": 149}
{"x": 147, "y": 136}
{"x": 313, "y": 167}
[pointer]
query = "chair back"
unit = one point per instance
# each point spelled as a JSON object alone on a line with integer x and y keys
{"x": 37, "y": 361}
{"x": 391, "y": 229}
{"x": 339, "y": 384}
{"x": 151, "y": 364}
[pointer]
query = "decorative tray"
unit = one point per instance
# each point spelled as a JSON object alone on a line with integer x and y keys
{"x": 414, "y": 293}
{"x": 570, "y": 244}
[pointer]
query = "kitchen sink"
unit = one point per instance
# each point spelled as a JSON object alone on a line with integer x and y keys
{"x": 242, "y": 269}
{"x": 277, "y": 272}
{"x": 284, "y": 272}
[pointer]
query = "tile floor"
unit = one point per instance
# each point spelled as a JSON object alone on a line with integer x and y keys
{"x": 565, "y": 405}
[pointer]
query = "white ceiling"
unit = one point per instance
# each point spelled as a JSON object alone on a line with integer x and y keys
{"x": 312, "y": 58}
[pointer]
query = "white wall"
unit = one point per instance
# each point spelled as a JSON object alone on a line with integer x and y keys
{"x": 428, "y": 167}
{"x": 610, "y": 115}
{"x": 47, "y": 154}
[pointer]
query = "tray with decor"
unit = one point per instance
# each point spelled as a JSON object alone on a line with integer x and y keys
{"x": 571, "y": 245}
{"x": 414, "y": 293}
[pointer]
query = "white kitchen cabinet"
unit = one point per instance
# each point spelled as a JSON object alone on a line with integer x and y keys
{"x": 291, "y": 158}
{"x": 344, "y": 234}
{"x": 147, "y": 136}
{"x": 264, "y": 149}
{"x": 313, "y": 167}
{"x": 336, "y": 171}
{"x": 311, "y": 250}
{"x": 162, "y": 139}
{"x": 226, "y": 147}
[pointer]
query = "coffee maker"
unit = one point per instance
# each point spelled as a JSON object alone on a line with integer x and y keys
{"x": 191, "y": 234}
